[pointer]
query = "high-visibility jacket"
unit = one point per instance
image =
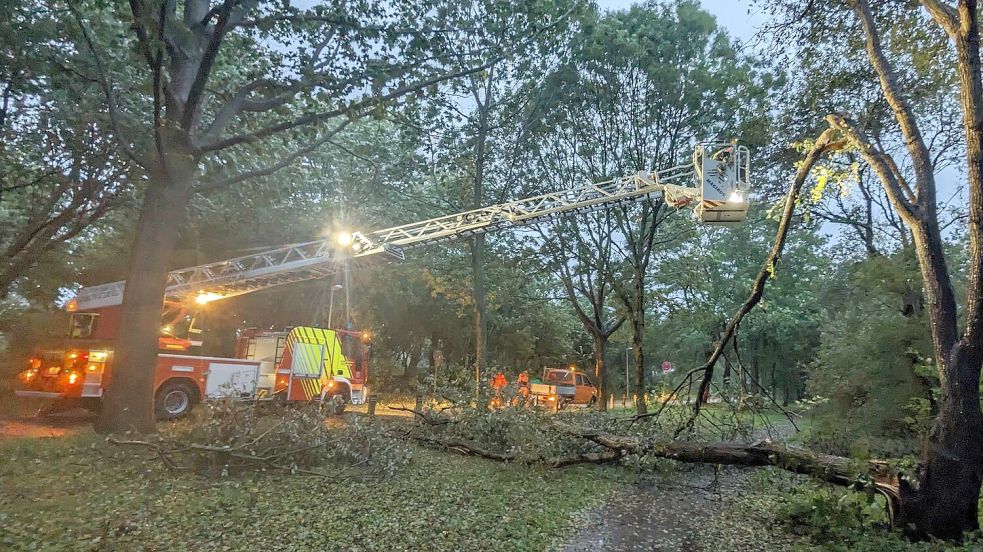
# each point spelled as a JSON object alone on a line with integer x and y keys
{"x": 499, "y": 381}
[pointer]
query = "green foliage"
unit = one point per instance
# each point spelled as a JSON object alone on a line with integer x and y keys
{"x": 230, "y": 437}
{"x": 846, "y": 521}
{"x": 60, "y": 171}
{"x": 877, "y": 387}
{"x": 836, "y": 519}
{"x": 825, "y": 514}
{"x": 77, "y": 493}
{"x": 702, "y": 282}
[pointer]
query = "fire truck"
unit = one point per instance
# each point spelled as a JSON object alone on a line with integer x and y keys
{"x": 305, "y": 364}
{"x": 301, "y": 364}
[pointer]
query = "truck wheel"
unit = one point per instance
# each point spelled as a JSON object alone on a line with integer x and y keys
{"x": 592, "y": 403}
{"x": 334, "y": 405}
{"x": 174, "y": 399}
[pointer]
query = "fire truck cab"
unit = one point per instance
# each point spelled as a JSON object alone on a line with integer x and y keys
{"x": 309, "y": 363}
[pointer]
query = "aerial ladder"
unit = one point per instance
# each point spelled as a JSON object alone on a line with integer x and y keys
{"x": 715, "y": 184}
{"x": 306, "y": 363}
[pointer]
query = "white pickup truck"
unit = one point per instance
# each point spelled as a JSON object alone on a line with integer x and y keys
{"x": 562, "y": 387}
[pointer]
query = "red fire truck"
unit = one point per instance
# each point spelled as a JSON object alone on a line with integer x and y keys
{"x": 301, "y": 364}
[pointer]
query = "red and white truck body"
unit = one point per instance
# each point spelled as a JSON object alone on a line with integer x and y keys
{"x": 301, "y": 364}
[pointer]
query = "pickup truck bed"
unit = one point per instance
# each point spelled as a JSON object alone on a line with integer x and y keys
{"x": 547, "y": 389}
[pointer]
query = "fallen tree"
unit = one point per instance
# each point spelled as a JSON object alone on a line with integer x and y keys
{"x": 531, "y": 438}
{"x": 228, "y": 438}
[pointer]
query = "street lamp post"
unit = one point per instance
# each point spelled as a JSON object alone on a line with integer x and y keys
{"x": 334, "y": 288}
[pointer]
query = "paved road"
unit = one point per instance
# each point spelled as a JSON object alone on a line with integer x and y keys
{"x": 692, "y": 510}
{"x": 68, "y": 423}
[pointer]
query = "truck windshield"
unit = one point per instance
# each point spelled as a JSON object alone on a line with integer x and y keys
{"x": 351, "y": 347}
{"x": 559, "y": 376}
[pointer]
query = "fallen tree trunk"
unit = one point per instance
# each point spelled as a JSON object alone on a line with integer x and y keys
{"x": 871, "y": 475}
{"x": 862, "y": 475}
{"x": 470, "y": 448}
{"x": 875, "y": 474}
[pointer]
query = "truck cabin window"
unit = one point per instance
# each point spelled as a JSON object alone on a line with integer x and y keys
{"x": 82, "y": 325}
{"x": 351, "y": 347}
{"x": 559, "y": 376}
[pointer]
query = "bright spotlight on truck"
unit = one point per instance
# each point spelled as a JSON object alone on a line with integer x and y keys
{"x": 735, "y": 197}
{"x": 208, "y": 297}
{"x": 345, "y": 239}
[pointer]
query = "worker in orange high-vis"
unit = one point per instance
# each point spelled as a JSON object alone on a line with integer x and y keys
{"x": 498, "y": 383}
{"x": 523, "y": 381}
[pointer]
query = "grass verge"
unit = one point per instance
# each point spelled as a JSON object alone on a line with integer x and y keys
{"x": 78, "y": 493}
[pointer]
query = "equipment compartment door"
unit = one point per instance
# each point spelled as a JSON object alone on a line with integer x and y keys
{"x": 231, "y": 380}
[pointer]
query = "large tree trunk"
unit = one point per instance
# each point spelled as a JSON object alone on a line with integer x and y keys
{"x": 938, "y": 288}
{"x": 950, "y": 481}
{"x": 480, "y": 320}
{"x": 946, "y": 503}
{"x": 637, "y": 333}
{"x": 874, "y": 475}
{"x": 478, "y": 242}
{"x": 600, "y": 379}
{"x": 129, "y": 400}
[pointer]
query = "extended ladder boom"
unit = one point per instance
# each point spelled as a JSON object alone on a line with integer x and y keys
{"x": 676, "y": 182}
{"x": 715, "y": 184}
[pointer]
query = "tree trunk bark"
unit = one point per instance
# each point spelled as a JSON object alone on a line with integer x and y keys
{"x": 938, "y": 288}
{"x": 874, "y": 475}
{"x": 600, "y": 380}
{"x": 478, "y": 242}
{"x": 946, "y": 504}
{"x": 480, "y": 321}
{"x": 641, "y": 405}
{"x": 755, "y": 376}
{"x": 129, "y": 400}
{"x": 637, "y": 333}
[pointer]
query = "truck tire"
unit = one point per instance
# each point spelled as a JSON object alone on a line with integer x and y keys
{"x": 174, "y": 399}
{"x": 592, "y": 403}
{"x": 333, "y": 405}
{"x": 340, "y": 400}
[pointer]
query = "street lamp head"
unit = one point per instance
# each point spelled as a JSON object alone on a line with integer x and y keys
{"x": 337, "y": 286}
